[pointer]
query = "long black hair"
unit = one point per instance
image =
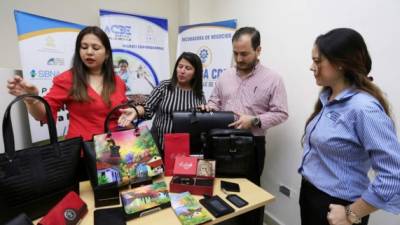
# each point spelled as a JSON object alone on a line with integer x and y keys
{"x": 197, "y": 80}
{"x": 80, "y": 71}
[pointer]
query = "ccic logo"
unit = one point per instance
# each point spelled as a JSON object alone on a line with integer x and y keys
{"x": 119, "y": 32}
{"x": 205, "y": 56}
{"x": 55, "y": 62}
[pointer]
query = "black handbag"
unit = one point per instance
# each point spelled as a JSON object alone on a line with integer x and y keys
{"x": 234, "y": 151}
{"x": 197, "y": 124}
{"x": 34, "y": 179}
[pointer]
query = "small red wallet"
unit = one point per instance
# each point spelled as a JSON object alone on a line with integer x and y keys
{"x": 69, "y": 211}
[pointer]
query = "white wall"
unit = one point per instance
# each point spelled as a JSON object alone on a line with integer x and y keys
{"x": 288, "y": 29}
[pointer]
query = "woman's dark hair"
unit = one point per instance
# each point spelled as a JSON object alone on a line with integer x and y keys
{"x": 346, "y": 48}
{"x": 80, "y": 71}
{"x": 197, "y": 80}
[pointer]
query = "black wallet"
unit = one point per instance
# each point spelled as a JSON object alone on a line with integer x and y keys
{"x": 230, "y": 186}
{"x": 216, "y": 206}
{"x": 21, "y": 219}
{"x": 108, "y": 216}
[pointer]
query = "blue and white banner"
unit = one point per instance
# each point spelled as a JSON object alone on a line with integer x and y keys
{"x": 140, "y": 49}
{"x": 46, "y": 49}
{"x": 212, "y": 43}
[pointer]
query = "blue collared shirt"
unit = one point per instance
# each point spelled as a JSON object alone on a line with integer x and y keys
{"x": 350, "y": 135}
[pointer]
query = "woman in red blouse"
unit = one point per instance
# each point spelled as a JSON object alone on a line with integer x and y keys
{"x": 89, "y": 90}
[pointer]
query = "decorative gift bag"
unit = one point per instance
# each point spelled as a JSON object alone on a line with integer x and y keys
{"x": 34, "y": 179}
{"x": 127, "y": 156}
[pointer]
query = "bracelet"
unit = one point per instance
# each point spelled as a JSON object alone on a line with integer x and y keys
{"x": 136, "y": 110}
{"x": 351, "y": 216}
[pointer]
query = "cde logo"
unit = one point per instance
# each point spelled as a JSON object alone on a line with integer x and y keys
{"x": 205, "y": 55}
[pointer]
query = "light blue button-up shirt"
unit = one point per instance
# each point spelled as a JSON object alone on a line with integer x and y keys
{"x": 350, "y": 135}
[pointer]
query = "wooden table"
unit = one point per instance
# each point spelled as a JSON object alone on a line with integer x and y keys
{"x": 254, "y": 195}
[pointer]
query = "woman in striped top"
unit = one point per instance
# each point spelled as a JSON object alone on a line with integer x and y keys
{"x": 183, "y": 92}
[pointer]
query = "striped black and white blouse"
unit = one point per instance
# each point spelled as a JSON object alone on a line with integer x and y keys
{"x": 163, "y": 102}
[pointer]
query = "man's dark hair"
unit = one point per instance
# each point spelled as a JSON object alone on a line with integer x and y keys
{"x": 254, "y": 34}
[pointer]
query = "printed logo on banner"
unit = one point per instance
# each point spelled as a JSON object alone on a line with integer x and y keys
{"x": 55, "y": 62}
{"x": 50, "y": 43}
{"x": 50, "y": 46}
{"x": 205, "y": 55}
{"x": 150, "y": 35}
{"x": 119, "y": 32}
{"x": 43, "y": 74}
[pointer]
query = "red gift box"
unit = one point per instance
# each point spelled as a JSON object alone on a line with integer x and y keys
{"x": 185, "y": 166}
{"x": 193, "y": 175}
{"x": 176, "y": 144}
{"x": 69, "y": 211}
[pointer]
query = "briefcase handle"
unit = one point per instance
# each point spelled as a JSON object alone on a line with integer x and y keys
{"x": 8, "y": 133}
{"x": 115, "y": 109}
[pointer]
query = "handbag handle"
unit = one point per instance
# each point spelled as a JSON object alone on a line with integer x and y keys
{"x": 8, "y": 133}
{"x": 107, "y": 121}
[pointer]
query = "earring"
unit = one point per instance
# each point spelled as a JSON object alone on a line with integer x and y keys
{"x": 340, "y": 68}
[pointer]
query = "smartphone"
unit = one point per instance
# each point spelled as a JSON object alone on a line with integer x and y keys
{"x": 236, "y": 200}
{"x": 216, "y": 206}
{"x": 108, "y": 216}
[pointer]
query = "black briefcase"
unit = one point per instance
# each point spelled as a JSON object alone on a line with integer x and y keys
{"x": 234, "y": 151}
{"x": 197, "y": 124}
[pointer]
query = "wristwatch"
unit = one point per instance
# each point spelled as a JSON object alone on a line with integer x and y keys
{"x": 351, "y": 216}
{"x": 256, "y": 122}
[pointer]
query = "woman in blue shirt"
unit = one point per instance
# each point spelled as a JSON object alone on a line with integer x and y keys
{"x": 349, "y": 132}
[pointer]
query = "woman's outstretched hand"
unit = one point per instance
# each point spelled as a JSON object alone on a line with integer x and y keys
{"x": 18, "y": 86}
{"x": 127, "y": 116}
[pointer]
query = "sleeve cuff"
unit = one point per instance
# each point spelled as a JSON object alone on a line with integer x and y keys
{"x": 392, "y": 206}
